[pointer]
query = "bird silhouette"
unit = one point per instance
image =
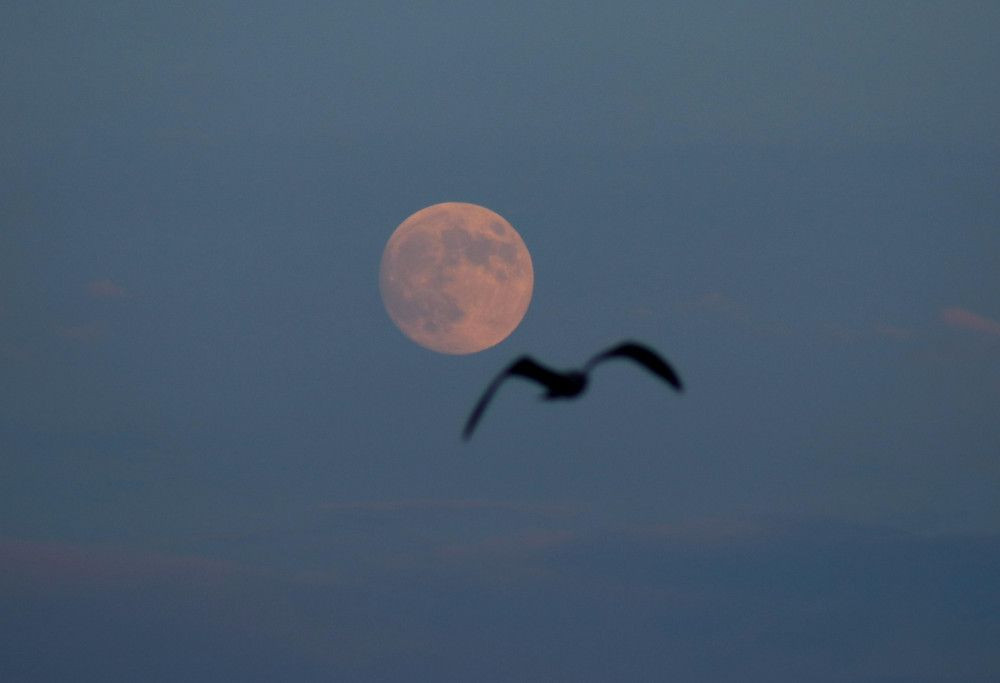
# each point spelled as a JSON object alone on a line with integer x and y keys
{"x": 572, "y": 383}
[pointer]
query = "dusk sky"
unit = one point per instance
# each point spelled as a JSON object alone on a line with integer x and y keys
{"x": 221, "y": 461}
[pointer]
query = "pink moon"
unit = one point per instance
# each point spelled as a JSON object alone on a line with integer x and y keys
{"x": 456, "y": 278}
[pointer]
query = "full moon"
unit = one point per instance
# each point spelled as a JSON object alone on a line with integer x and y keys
{"x": 456, "y": 278}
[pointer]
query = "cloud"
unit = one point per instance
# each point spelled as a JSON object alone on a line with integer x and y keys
{"x": 893, "y": 331}
{"x": 50, "y": 564}
{"x": 714, "y": 302}
{"x": 446, "y": 505}
{"x": 88, "y": 332}
{"x": 966, "y": 319}
{"x": 12, "y": 352}
{"x": 853, "y": 333}
{"x": 513, "y": 544}
{"x": 706, "y": 531}
{"x": 719, "y": 308}
{"x": 787, "y": 601}
{"x": 105, "y": 289}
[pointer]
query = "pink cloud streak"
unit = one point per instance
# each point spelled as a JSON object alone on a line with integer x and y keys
{"x": 966, "y": 319}
{"x": 105, "y": 289}
{"x": 445, "y": 505}
{"x": 58, "y": 563}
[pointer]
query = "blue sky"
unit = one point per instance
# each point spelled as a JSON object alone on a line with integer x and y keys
{"x": 221, "y": 460}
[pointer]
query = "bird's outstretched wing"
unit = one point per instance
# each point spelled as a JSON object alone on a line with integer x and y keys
{"x": 522, "y": 367}
{"x": 645, "y": 357}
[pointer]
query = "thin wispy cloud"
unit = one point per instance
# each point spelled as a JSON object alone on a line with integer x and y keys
{"x": 512, "y": 544}
{"x": 716, "y": 308}
{"x": 706, "y": 531}
{"x": 892, "y": 331}
{"x": 57, "y": 563}
{"x": 863, "y": 332}
{"x": 105, "y": 289}
{"x": 445, "y": 505}
{"x": 669, "y": 592}
{"x": 86, "y": 332}
{"x": 12, "y": 352}
{"x": 715, "y": 302}
{"x": 968, "y": 320}
{"x": 719, "y": 306}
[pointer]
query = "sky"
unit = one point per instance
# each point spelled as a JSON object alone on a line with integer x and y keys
{"x": 219, "y": 459}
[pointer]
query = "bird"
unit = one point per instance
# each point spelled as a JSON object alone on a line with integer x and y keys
{"x": 572, "y": 383}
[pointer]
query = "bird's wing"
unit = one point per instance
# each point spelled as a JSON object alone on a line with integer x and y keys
{"x": 645, "y": 357}
{"x": 523, "y": 367}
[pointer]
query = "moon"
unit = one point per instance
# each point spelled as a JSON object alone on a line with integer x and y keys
{"x": 456, "y": 278}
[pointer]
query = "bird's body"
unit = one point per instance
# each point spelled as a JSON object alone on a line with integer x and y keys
{"x": 557, "y": 384}
{"x": 571, "y": 383}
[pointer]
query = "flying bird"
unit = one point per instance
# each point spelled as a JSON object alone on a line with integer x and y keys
{"x": 571, "y": 383}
